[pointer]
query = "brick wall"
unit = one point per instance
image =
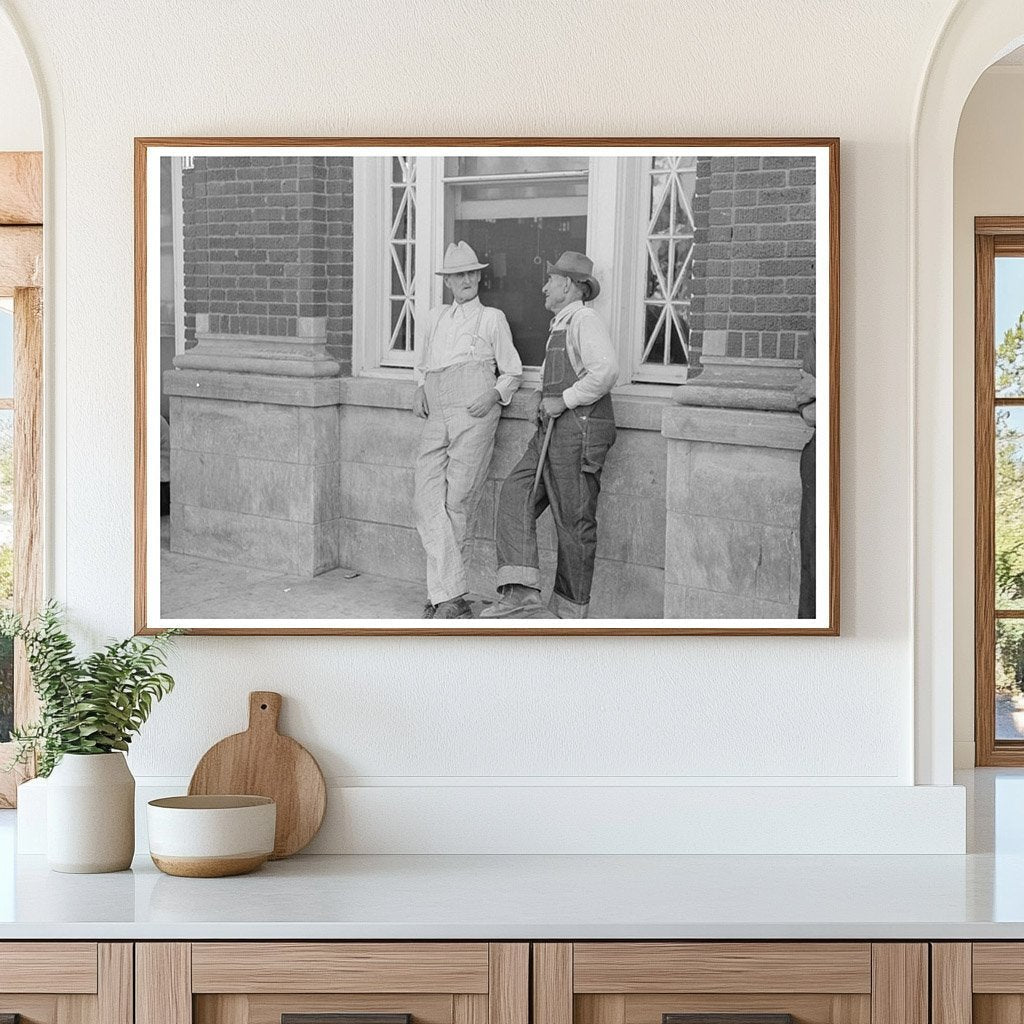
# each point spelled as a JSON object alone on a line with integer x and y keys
{"x": 267, "y": 240}
{"x": 754, "y": 256}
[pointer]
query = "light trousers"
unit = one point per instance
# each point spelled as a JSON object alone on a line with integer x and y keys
{"x": 451, "y": 468}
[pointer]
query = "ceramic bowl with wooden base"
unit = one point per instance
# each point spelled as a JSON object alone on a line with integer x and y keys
{"x": 211, "y": 836}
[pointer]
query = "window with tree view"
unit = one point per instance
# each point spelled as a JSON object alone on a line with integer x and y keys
{"x": 1009, "y": 496}
{"x": 6, "y": 511}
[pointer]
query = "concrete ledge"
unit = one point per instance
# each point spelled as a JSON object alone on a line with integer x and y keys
{"x": 252, "y": 387}
{"x": 737, "y": 397}
{"x": 632, "y": 411}
{"x": 304, "y": 356}
{"x": 751, "y": 427}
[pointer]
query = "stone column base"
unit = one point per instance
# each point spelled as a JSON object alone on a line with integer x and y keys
{"x": 255, "y": 475}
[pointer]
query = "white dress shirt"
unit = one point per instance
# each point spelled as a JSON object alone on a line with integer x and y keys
{"x": 470, "y": 330}
{"x": 591, "y": 354}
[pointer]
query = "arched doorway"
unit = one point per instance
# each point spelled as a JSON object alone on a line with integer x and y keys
{"x": 977, "y": 33}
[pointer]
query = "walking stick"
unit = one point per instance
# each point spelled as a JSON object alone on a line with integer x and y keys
{"x": 543, "y": 456}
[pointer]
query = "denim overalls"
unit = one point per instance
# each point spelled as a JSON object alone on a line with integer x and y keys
{"x": 570, "y": 484}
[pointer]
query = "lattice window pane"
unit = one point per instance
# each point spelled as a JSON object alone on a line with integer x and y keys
{"x": 670, "y": 234}
{"x": 402, "y": 248}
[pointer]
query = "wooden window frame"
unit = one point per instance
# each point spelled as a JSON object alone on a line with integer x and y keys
{"x": 21, "y": 278}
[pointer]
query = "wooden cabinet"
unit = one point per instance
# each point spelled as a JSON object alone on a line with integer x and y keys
{"x": 655, "y": 982}
{"x": 66, "y": 982}
{"x": 512, "y": 983}
{"x": 263, "y": 982}
{"x": 978, "y": 983}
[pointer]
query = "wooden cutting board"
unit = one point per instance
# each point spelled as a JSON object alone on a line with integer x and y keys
{"x": 262, "y": 762}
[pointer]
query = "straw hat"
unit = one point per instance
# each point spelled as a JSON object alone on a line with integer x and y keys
{"x": 459, "y": 258}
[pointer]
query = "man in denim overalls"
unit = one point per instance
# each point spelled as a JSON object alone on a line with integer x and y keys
{"x": 467, "y": 369}
{"x": 580, "y": 368}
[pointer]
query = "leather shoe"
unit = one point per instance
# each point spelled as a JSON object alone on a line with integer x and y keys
{"x": 456, "y": 608}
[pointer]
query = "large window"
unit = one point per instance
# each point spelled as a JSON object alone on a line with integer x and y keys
{"x": 632, "y": 215}
{"x": 517, "y": 213}
{"x": 999, "y": 438}
{"x": 670, "y": 234}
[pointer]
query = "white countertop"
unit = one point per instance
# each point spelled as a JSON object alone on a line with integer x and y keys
{"x": 977, "y": 896}
{"x": 495, "y": 897}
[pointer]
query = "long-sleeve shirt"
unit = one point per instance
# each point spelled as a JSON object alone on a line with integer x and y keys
{"x": 461, "y": 332}
{"x": 591, "y": 354}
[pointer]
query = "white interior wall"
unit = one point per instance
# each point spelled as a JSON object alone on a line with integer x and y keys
{"x": 431, "y": 716}
{"x": 21, "y": 127}
{"x": 987, "y": 182}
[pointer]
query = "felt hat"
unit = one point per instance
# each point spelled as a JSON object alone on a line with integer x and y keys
{"x": 578, "y": 267}
{"x": 458, "y": 258}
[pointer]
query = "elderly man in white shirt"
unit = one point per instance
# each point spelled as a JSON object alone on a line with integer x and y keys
{"x": 467, "y": 369}
{"x": 580, "y": 369}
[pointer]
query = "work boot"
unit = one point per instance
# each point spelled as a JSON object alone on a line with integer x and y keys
{"x": 517, "y": 602}
{"x": 429, "y": 610}
{"x": 456, "y": 608}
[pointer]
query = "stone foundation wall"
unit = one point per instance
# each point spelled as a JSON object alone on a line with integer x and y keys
{"x": 255, "y": 482}
{"x": 733, "y": 513}
{"x": 377, "y": 532}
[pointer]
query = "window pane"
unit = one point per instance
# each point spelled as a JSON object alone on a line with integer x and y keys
{"x": 6, "y": 350}
{"x": 518, "y": 227}
{"x": 670, "y": 234}
{"x": 1009, "y": 320}
{"x": 6, "y": 567}
{"x": 1009, "y": 513}
{"x": 402, "y": 248}
{"x": 1009, "y": 679}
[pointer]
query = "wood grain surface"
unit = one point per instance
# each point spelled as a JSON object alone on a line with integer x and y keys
{"x": 21, "y": 259}
{"x": 951, "y": 983}
{"x": 115, "y": 998}
{"x": 998, "y": 967}
{"x": 21, "y": 188}
{"x": 303, "y": 967}
{"x": 163, "y": 983}
{"x": 65, "y": 967}
{"x": 806, "y": 1008}
{"x": 633, "y": 967}
{"x": 552, "y": 983}
{"x": 262, "y": 762}
{"x": 509, "y": 983}
{"x": 900, "y": 990}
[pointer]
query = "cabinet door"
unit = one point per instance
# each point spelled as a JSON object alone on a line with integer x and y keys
{"x": 981, "y": 982}
{"x": 332, "y": 983}
{"x": 66, "y": 982}
{"x": 730, "y": 983}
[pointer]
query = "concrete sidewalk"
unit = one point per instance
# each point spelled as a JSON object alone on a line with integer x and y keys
{"x": 198, "y": 588}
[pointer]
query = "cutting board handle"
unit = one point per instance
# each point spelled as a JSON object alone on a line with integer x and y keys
{"x": 264, "y": 710}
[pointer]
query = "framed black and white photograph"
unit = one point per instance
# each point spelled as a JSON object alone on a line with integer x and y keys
{"x": 453, "y": 386}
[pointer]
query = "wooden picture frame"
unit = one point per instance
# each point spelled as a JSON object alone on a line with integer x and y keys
{"x": 297, "y": 276}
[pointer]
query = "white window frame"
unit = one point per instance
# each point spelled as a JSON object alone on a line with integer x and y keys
{"x": 618, "y": 204}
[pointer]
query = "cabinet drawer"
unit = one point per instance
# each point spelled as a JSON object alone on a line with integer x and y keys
{"x": 66, "y": 967}
{"x": 730, "y": 983}
{"x": 332, "y": 983}
{"x": 66, "y": 982}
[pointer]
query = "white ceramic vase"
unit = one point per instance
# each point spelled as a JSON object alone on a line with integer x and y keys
{"x": 90, "y": 814}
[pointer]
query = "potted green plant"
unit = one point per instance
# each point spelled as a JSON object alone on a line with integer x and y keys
{"x": 89, "y": 710}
